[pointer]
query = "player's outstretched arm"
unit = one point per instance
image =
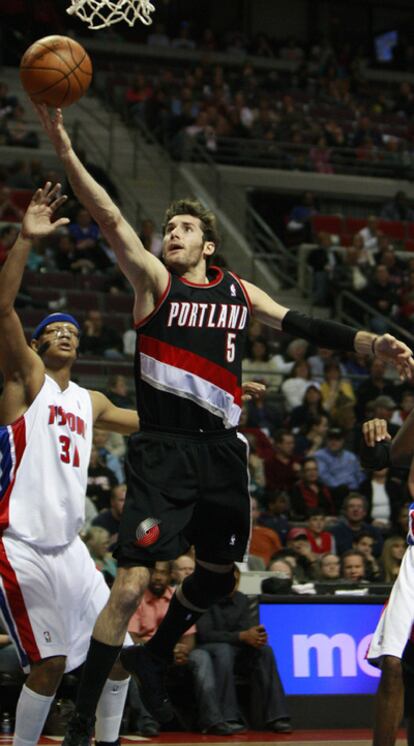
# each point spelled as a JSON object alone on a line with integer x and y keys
{"x": 109, "y": 417}
{"x": 144, "y": 271}
{"x": 18, "y": 362}
{"x": 331, "y": 334}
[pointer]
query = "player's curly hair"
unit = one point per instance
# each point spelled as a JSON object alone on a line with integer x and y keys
{"x": 196, "y": 209}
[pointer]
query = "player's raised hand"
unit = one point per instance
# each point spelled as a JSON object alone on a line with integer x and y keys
{"x": 392, "y": 350}
{"x": 374, "y": 431}
{"x": 54, "y": 128}
{"x": 39, "y": 219}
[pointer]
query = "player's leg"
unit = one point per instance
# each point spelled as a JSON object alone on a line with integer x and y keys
{"x": 36, "y": 698}
{"x": 388, "y": 708}
{"x": 106, "y": 643}
{"x": 408, "y": 679}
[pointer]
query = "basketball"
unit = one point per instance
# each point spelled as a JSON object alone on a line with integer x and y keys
{"x": 56, "y": 71}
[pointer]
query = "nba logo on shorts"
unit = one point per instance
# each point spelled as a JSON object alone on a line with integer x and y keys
{"x": 147, "y": 532}
{"x": 46, "y": 635}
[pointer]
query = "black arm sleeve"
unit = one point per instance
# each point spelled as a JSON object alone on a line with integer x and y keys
{"x": 320, "y": 332}
{"x": 375, "y": 457}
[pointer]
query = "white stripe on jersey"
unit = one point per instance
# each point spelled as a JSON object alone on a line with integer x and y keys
{"x": 188, "y": 385}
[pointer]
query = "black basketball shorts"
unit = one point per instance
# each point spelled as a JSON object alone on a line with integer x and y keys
{"x": 184, "y": 490}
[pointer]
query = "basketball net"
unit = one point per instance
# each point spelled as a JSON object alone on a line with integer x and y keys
{"x": 102, "y": 13}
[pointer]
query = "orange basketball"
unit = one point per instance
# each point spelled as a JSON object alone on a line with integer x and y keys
{"x": 55, "y": 71}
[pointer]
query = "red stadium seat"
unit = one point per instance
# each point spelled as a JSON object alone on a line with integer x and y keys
{"x": 354, "y": 225}
{"x": 22, "y": 197}
{"x": 328, "y": 223}
{"x": 410, "y": 230}
{"x": 393, "y": 228}
{"x": 409, "y": 244}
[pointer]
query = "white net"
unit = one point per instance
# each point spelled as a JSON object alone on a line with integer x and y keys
{"x": 102, "y": 13}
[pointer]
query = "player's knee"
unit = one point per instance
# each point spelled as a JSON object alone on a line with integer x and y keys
{"x": 206, "y": 586}
{"x": 46, "y": 674}
{"x": 391, "y": 673}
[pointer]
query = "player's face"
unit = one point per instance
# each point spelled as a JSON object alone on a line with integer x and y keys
{"x": 62, "y": 340}
{"x": 184, "y": 246}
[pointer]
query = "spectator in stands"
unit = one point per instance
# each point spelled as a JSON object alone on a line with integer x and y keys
{"x": 281, "y": 579}
{"x": 370, "y": 235}
{"x": 144, "y": 623}
{"x": 320, "y": 157}
{"x": 256, "y": 467}
{"x": 398, "y": 208}
{"x": 260, "y": 366}
{"x": 383, "y": 497}
{"x": 117, "y": 391}
{"x": 349, "y": 275}
{"x": 101, "y": 480}
{"x": 97, "y": 541}
{"x": 311, "y": 493}
{"x": 299, "y": 224}
{"x": 184, "y": 39}
{"x": 98, "y": 173}
{"x": 323, "y": 261}
{"x": 66, "y": 258}
{"x": 364, "y": 543}
{"x": 402, "y": 411}
{"x": 86, "y": 235}
{"x": 9, "y": 209}
{"x": 405, "y": 315}
{"x": 295, "y": 386}
{"x": 100, "y": 340}
{"x": 381, "y": 295}
{"x": 181, "y": 568}
{"x": 338, "y": 468}
{"x": 137, "y": 96}
{"x": 376, "y": 385}
{"x": 282, "y": 468}
{"x": 18, "y": 132}
{"x": 265, "y": 413}
{"x": 114, "y": 463}
{"x": 353, "y": 566}
{"x": 318, "y": 361}
{"x": 312, "y": 436}
{"x": 336, "y": 391}
{"x": 391, "y": 557}
{"x": 276, "y": 513}
{"x": 328, "y": 567}
{"x": 320, "y": 540}
{"x": 109, "y": 519}
{"x": 309, "y": 409}
{"x": 158, "y": 37}
{"x": 264, "y": 542}
{"x": 298, "y": 541}
{"x": 353, "y": 523}
{"x": 236, "y": 642}
{"x": 151, "y": 240}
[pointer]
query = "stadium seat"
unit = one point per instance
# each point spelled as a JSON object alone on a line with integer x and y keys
{"x": 328, "y": 223}
{"x": 409, "y": 244}
{"x": 354, "y": 225}
{"x": 393, "y": 228}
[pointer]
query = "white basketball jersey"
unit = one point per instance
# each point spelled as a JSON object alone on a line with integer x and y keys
{"x": 44, "y": 458}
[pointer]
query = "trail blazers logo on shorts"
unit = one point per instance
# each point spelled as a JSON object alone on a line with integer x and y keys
{"x": 148, "y": 532}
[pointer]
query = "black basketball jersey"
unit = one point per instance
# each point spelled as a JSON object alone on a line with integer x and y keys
{"x": 189, "y": 352}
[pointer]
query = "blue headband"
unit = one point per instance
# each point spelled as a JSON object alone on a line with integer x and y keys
{"x": 51, "y": 319}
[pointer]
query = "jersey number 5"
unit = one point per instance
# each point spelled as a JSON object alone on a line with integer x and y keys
{"x": 230, "y": 347}
{"x": 65, "y": 451}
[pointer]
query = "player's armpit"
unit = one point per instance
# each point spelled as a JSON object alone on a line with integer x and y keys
{"x": 109, "y": 417}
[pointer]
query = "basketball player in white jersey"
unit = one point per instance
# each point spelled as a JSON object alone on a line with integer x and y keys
{"x": 50, "y": 590}
{"x": 395, "y": 625}
{"x": 188, "y": 473}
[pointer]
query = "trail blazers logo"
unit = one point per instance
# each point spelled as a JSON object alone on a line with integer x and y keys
{"x": 148, "y": 532}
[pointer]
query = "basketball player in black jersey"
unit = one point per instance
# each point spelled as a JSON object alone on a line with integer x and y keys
{"x": 187, "y": 468}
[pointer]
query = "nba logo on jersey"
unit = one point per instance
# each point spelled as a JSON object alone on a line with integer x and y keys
{"x": 233, "y": 290}
{"x": 410, "y": 535}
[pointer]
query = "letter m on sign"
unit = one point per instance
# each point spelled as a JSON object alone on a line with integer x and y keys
{"x": 322, "y": 648}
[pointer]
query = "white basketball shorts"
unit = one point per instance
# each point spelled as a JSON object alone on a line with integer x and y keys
{"x": 394, "y": 626}
{"x": 50, "y": 600}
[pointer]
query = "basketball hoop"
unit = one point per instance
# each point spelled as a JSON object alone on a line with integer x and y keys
{"x": 102, "y": 13}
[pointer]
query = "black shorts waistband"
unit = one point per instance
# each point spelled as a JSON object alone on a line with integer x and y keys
{"x": 199, "y": 436}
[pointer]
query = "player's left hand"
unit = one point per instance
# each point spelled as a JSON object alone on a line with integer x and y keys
{"x": 392, "y": 350}
{"x": 252, "y": 390}
{"x": 39, "y": 218}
